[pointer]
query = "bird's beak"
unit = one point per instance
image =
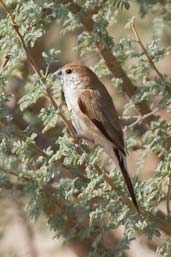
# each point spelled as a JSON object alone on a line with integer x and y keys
{"x": 58, "y": 74}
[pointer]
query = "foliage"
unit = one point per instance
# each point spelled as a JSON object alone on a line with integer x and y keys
{"x": 39, "y": 156}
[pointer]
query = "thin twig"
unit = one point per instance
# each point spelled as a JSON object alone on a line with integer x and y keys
{"x": 20, "y": 37}
{"x": 39, "y": 150}
{"x": 140, "y": 119}
{"x": 13, "y": 173}
{"x": 139, "y": 40}
{"x": 129, "y": 117}
{"x": 35, "y": 68}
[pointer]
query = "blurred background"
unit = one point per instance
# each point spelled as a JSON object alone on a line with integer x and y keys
{"x": 21, "y": 237}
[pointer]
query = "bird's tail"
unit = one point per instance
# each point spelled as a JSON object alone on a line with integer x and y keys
{"x": 123, "y": 168}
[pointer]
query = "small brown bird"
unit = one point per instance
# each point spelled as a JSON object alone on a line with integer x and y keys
{"x": 93, "y": 114}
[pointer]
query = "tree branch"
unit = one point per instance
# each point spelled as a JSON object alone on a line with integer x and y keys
{"x": 138, "y": 39}
{"x": 35, "y": 68}
{"x": 140, "y": 119}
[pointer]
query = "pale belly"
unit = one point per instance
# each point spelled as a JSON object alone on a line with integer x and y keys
{"x": 80, "y": 121}
{"x": 84, "y": 127}
{"x": 87, "y": 130}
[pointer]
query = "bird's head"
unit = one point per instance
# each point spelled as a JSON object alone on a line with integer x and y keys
{"x": 75, "y": 75}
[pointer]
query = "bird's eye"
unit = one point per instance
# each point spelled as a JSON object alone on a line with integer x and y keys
{"x": 68, "y": 71}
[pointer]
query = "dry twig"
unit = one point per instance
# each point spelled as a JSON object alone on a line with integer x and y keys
{"x": 35, "y": 68}
{"x": 140, "y": 42}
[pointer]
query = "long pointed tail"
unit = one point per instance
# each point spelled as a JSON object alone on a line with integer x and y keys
{"x": 126, "y": 176}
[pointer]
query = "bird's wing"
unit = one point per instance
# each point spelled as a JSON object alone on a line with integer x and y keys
{"x": 98, "y": 106}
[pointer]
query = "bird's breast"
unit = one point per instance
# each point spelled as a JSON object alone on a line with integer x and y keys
{"x": 71, "y": 97}
{"x": 83, "y": 125}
